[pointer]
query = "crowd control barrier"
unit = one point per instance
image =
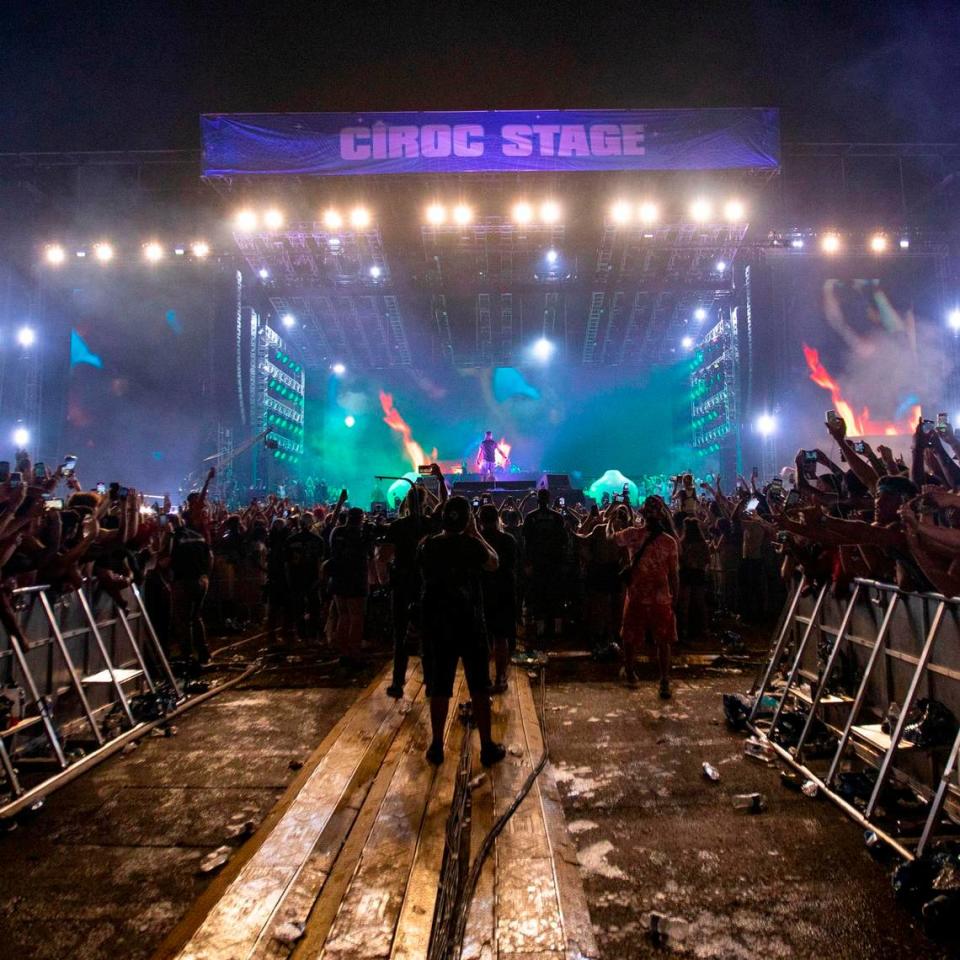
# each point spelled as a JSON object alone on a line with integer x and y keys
{"x": 854, "y": 669}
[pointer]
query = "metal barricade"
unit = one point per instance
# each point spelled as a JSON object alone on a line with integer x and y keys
{"x": 895, "y": 647}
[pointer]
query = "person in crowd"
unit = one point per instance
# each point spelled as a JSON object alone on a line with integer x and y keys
{"x": 304, "y": 552}
{"x": 603, "y": 559}
{"x": 544, "y": 543}
{"x": 351, "y": 546}
{"x": 499, "y": 593}
{"x": 694, "y": 566}
{"x": 451, "y": 564}
{"x": 190, "y": 564}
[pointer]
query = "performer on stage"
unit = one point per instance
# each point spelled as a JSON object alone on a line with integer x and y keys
{"x": 487, "y": 456}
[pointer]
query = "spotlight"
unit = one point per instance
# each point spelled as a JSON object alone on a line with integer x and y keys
{"x": 830, "y": 243}
{"x": 436, "y": 214}
{"x": 766, "y": 424}
{"x": 21, "y": 437}
{"x": 701, "y": 210}
{"x": 797, "y": 243}
{"x": 200, "y": 249}
{"x": 549, "y": 211}
{"x": 26, "y": 337}
{"x": 904, "y": 243}
{"x": 721, "y": 266}
{"x": 621, "y": 212}
{"x": 686, "y": 343}
{"x": 522, "y": 212}
{"x": 81, "y": 253}
{"x": 178, "y": 251}
{"x": 552, "y": 256}
{"x": 953, "y": 319}
{"x": 462, "y": 214}
{"x": 288, "y": 320}
{"x": 734, "y": 211}
{"x": 273, "y": 219}
{"x": 245, "y": 220}
{"x": 103, "y": 252}
{"x": 153, "y": 251}
{"x": 263, "y": 273}
{"x": 648, "y": 212}
{"x": 878, "y": 243}
{"x": 338, "y": 369}
{"x": 349, "y": 420}
{"x": 375, "y": 272}
{"x": 334, "y": 243}
{"x": 359, "y": 218}
{"x": 332, "y": 219}
{"x": 543, "y": 349}
{"x": 55, "y": 254}
{"x": 700, "y": 314}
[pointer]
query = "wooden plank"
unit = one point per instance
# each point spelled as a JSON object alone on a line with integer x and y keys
{"x": 416, "y": 915}
{"x": 234, "y": 925}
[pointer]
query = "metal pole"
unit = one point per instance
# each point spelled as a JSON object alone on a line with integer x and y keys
{"x": 777, "y": 649}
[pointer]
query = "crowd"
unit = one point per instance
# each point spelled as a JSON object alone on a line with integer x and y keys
{"x": 457, "y": 580}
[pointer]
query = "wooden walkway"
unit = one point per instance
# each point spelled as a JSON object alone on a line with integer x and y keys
{"x": 347, "y": 863}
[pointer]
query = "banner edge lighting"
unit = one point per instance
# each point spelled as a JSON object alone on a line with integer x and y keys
{"x": 489, "y": 141}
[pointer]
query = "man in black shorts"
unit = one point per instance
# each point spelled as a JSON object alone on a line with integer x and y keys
{"x": 499, "y": 593}
{"x": 451, "y": 564}
{"x": 487, "y": 456}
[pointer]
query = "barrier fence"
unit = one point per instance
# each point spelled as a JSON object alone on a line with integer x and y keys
{"x": 850, "y": 678}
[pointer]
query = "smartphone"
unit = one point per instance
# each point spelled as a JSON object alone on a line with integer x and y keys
{"x": 424, "y": 470}
{"x": 101, "y": 487}
{"x": 859, "y": 446}
{"x": 832, "y": 416}
{"x": 927, "y": 426}
{"x": 122, "y": 493}
{"x": 810, "y": 456}
{"x": 69, "y": 466}
{"x": 15, "y": 480}
{"x": 476, "y": 503}
{"x": 40, "y": 471}
{"x": 793, "y": 498}
{"x": 54, "y": 503}
{"x": 943, "y": 423}
{"x": 4, "y": 471}
{"x": 562, "y": 502}
{"x": 752, "y": 504}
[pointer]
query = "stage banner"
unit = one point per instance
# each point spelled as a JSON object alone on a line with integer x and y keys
{"x": 503, "y": 141}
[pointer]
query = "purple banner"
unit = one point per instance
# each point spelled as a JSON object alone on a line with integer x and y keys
{"x": 338, "y": 144}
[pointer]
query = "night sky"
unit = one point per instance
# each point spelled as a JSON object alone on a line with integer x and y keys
{"x": 136, "y": 75}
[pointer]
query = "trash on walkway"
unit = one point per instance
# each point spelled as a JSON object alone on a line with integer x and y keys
{"x": 295, "y": 764}
{"x": 477, "y": 781}
{"x": 215, "y": 859}
{"x": 809, "y": 788}
{"x": 751, "y": 802}
{"x": 288, "y": 932}
{"x": 710, "y": 771}
{"x": 758, "y": 749}
{"x": 241, "y": 829}
{"x": 664, "y": 929}
{"x": 130, "y": 747}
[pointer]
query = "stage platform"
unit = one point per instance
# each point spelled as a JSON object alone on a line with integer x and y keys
{"x": 516, "y": 485}
{"x": 347, "y": 864}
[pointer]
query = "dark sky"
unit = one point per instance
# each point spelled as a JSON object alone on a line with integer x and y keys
{"x": 103, "y": 75}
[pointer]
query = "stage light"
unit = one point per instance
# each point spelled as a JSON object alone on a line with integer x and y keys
{"x": 153, "y": 251}
{"x": 81, "y": 253}
{"x": 462, "y": 214}
{"x": 245, "y": 220}
{"x": 273, "y": 219}
{"x": 200, "y": 249}
{"x": 288, "y": 320}
{"x": 375, "y": 272}
{"x": 349, "y": 420}
{"x": 904, "y": 243}
{"x": 766, "y": 424}
{"x": 359, "y": 218}
{"x": 55, "y": 254}
{"x": 103, "y": 252}
{"x": 953, "y": 319}
{"x": 21, "y": 438}
{"x": 701, "y": 210}
{"x": 830, "y": 243}
{"x": 543, "y": 349}
{"x": 700, "y": 314}
{"x": 436, "y": 214}
{"x": 552, "y": 256}
{"x": 648, "y": 212}
{"x": 263, "y": 273}
{"x": 26, "y": 337}
{"x": 338, "y": 369}
{"x": 734, "y": 211}
{"x": 179, "y": 251}
{"x": 550, "y": 211}
{"x": 686, "y": 343}
{"x": 797, "y": 243}
{"x": 522, "y": 212}
{"x": 721, "y": 266}
{"x": 621, "y": 212}
{"x": 334, "y": 243}
{"x": 332, "y": 219}
{"x": 878, "y": 243}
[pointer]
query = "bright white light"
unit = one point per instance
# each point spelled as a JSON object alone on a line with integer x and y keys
{"x": 734, "y": 211}
{"x": 721, "y": 266}
{"x": 273, "y": 219}
{"x": 21, "y": 437}
{"x": 178, "y": 251}
{"x": 621, "y": 212}
{"x": 103, "y": 252}
{"x": 288, "y": 320}
{"x": 55, "y": 254}
{"x": 436, "y": 214}
{"x": 462, "y": 214}
{"x": 552, "y": 256}
{"x": 338, "y": 369}
{"x": 359, "y": 218}
{"x": 549, "y": 211}
{"x": 332, "y": 219}
{"x": 686, "y": 343}
{"x": 245, "y": 220}
{"x": 26, "y": 337}
{"x": 878, "y": 243}
{"x": 153, "y": 251}
{"x": 522, "y": 212}
{"x": 830, "y": 243}
{"x": 701, "y": 210}
{"x": 263, "y": 273}
{"x": 766, "y": 424}
{"x": 200, "y": 249}
{"x": 648, "y": 212}
{"x": 797, "y": 243}
{"x": 81, "y": 253}
{"x": 953, "y": 319}
{"x": 349, "y": 420}
{"x": 700, "y": 314}
{"x": 375, "y": 272}
{"x": 543, "y": 349}
{"x": 334, "y": 243}
{"x": 904, "y": 243}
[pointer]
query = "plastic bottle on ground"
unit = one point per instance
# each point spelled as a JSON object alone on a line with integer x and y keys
{"x": 753, "y": 802}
